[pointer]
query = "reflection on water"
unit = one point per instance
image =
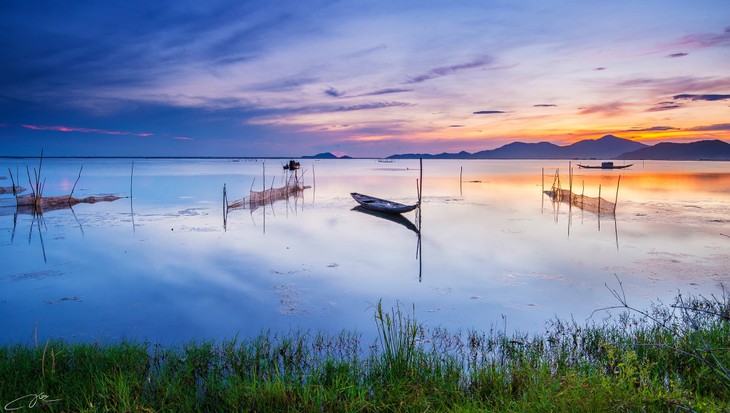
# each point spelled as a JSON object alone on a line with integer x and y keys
{"x": 164, "y": 267}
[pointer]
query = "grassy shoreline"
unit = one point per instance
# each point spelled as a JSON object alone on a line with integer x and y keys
{"x": 671, "y": 358}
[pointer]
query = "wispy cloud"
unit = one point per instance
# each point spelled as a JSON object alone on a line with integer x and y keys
{"x": 447, "y": 70}
{"x": 709, "y": 128}
{"x": 708, "y": 97}
{"x": 376, "y": 105}
{"x": 606, "y": 109}
{"x": 545, "y": 105}
{"x": 665, "y": 106}
{"x": 651, "y": 129}
{"x": 674, "y": 55}
{"x": 333, "y": 92}
{"x": 183, "y": 138}
{"x": 706, "y": 39}
{"x": 386, "y": 91}
{"x": 489, "y": 112}
{"x": 84, "y": 130}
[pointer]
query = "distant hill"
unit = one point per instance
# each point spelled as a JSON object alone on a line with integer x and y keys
{"x": 607, "y": 147}
{"x": 325, "y": 155}
{"x": 700, "y": 150}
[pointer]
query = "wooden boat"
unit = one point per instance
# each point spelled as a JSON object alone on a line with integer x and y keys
{"x": 381, "y": 205}
{"x": 605, "y": 165}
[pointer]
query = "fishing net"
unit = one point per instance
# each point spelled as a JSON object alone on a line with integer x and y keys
{"x": 586, "y": 203}
{"x": 269, "y": 196}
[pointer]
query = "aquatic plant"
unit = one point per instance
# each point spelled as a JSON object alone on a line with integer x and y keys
{"x": 665, "y": 358}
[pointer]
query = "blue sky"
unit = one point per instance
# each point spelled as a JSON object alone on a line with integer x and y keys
{"x": 363, "y": 78}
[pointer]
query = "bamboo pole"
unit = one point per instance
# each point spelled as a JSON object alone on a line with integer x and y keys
{"x": 615, "y": 204}
{"x": 570, "y": 188}
{"x": 420, "y": 187}
{"x": 461, "y": 181}
{"x": 77, "y": 181}
{"x": 543, "y": 180}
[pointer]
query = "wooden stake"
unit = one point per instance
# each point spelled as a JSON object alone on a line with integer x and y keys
{"x": 543, "y": 180}
{"x": 420, "y": 187}
{"x": 77, "y": 181}
{"x": 461, "y": 181}
{"x": 131, "y": 179}
{"x": 615, "y": 204}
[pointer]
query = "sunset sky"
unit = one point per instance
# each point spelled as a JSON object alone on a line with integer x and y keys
{"x": 364, "y": 78}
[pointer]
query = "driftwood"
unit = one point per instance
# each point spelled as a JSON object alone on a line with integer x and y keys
{"x": 53, "y": 203}
{"x": 9, "y": 189}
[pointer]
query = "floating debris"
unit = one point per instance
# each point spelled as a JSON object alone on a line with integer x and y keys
{"x": 36, "y": 203}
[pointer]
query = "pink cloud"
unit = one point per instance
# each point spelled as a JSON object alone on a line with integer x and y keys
{"x": 607, "y": 109}
{"x": 84, "y": 130}
{"x": 705, "y": 39}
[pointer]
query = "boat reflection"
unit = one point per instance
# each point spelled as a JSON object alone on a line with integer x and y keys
{"x": 405, "y": 222}
{"x": 397, "y": 218}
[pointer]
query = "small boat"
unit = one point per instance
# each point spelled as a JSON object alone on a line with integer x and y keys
{"x": 605, "y": 165}
{"x": 381, "y": 205}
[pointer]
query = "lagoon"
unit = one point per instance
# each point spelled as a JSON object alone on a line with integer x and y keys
{"x": 163, "y": 265}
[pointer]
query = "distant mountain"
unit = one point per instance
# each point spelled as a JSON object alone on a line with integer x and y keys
{"x": 325, "y": 155}
{"x": 522, "y": 150}
{"x": 700, "y": 150}
{"x": 607, "y": 147}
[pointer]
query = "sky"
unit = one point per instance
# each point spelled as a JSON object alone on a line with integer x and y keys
{"x": 364, "y": 78}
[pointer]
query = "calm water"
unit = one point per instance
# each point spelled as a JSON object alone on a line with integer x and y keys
{"x": 493, "y": 251}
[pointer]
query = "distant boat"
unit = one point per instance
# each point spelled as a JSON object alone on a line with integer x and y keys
{"x": 605, "y": 165}
{"x": 292, "y": 165}
{"x": 381, "y": 205}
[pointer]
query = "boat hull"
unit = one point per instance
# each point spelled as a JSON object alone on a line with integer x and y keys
{"x": 605, "y": 167}
{"x": 382, "y": 205}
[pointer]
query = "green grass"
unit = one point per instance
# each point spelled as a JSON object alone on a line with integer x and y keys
{"x": 665, "y": 359}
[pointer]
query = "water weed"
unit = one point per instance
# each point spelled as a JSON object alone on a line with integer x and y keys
{"x": 666, "y": 358}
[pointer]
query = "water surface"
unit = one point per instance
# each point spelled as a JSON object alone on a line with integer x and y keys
{"x": 161, "y": 265}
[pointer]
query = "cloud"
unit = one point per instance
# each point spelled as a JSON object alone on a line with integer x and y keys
{"x": 183, "y": 138}
{"x": 680, "y": 54}
{"x": 706, "y": 39}
{"x": 652, "y": 129}
{"x": 84, "y": 130}
{"x": 334, "y": 92}
{"x": 708, "y": 97}
{"x": 376, "y": 105}
{"x": 708, "y": 128}
{"x": 544, "y": 105}
{"x": 386, "y": 91}
{"x": 489, "y": 112}
{"x": 665, "y": 106}
{"x": 606, "y": 109}
{"x": 599, "y": 68}
{"x": 447, "y": 70}
{"x": 456, "y": 126}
